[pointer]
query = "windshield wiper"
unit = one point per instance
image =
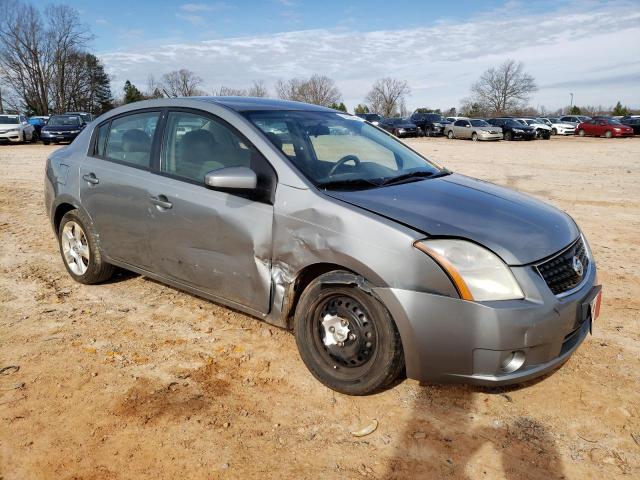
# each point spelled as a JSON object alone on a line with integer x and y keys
{"x": 349, "y": 183}
{"x": 415, "y": 176}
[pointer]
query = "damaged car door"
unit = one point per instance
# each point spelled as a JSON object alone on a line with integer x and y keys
{"x": 214, "y": 238}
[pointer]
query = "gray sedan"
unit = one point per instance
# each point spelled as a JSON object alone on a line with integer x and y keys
{"x": 381, "y": 262}
{"x": 474, "y": 129}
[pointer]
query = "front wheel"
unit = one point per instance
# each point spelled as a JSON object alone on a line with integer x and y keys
{"x": 508, "y": 136}
{"x": 581, "y": 132}
{"x": 79, "y": 249}
{"x": 450, "y": 135}
{"x": 44, "y": 142}
{"x": 474, "y": 136}
{"x": 346, "y": 337}
{"x": 608, "y": 134}
{"x": 554, "y": 131}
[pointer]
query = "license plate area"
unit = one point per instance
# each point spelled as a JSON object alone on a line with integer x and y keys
{"x": 590, "y": 310}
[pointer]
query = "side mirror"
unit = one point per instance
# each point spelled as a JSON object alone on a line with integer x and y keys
{"x": 468, "y": 126}
{"x": 232, "y": 178}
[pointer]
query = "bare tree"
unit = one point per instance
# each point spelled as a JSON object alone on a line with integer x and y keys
{"x": 388, "y": 96}
{"x": 181, "y": 83}
{"x": 230, "y": 92}
{"x": 318, "y": 89}
{"x": 258, "y": 89}
{"x": 504, "y": 88}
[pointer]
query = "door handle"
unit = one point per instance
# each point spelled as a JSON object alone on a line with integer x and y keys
{"x": 91, "y": 178}
{"x": 162, "y": 202}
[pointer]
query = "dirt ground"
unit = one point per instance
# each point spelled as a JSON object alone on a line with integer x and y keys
{"x": 133, "y": 379}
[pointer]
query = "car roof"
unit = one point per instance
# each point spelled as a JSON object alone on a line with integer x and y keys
{"x": 243, "y": 104}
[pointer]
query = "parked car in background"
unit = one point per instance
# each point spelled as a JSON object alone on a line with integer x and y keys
{"x": 474, "y": 129}
{"x": 574, "y": 119}
{"x": 61, "y": 128}
{"x": 380, "y": 262}
{"x": 84, "y": 116}
{"x": 542, "y": 129}
{"x": 372, "y": 118}
{"x": 558, "y": 127}
{"x": 633, "y": 122}
{"x": 16, "y": 128}
{"x": 512, "y": 130}
{"x": 38, "y": 123}
{"x": 603, "y": 127}
{"x": 431, "y": 124}
{"x": 401, "y": 127}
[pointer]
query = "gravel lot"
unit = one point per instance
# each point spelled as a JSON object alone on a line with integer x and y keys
{"x": 133, "y": 379}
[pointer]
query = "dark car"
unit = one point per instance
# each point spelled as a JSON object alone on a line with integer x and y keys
{"x": 400, "y": 127}
{"x": 633, "y": 122}
{"x": 430, "y": 123}
{"x": 61, "y": 128}
{"x": 604, "y": 127}
{"x": 38, "y": 123}
{"x": 373, "y": 118}
{"x": 379, "y": 262}
{"x": 513, "y": 130}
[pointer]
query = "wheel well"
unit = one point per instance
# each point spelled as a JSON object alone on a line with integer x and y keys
{"x": 304, "y": 278}
{"x": 60, "y": 211}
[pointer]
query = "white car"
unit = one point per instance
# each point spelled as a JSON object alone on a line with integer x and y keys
{"x": 558, "y": 127}
{"x": 542, "y": 129}
{"x": 15, "y": 128}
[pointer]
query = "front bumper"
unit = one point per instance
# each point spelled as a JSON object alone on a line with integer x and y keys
{"x": 490, "y": 136}
{"x": 565, "y": 131}
{"x": 58, "y": 136}
{"x": 451, "y": 340}
{"x": 11, "y": 136}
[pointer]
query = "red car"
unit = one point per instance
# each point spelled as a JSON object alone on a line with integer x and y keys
{"x": 604, "y": 126}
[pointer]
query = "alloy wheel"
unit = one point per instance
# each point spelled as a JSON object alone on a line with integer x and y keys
{"x": 75, "y": 248}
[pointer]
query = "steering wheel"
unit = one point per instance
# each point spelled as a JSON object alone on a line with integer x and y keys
{"x": 342, "y": 161}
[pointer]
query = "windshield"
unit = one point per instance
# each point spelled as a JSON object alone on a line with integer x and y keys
{"x": 513, "y": 123}
{"x": 63, "y": 121}
{"x": 434, "y": 117}
{"x": 336, "y": 150}
{"x": 8, "y": 119}
{"x": 479, "y": 123}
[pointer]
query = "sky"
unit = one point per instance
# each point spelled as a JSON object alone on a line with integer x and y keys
{"x": 585, "y": 47}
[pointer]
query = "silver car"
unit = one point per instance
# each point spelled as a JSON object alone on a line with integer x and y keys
{"x": 381, "y": 262}
{"x": 474, "y": 129}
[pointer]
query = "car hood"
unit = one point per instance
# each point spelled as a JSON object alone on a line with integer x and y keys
{"x": 519, "y": 228}
{"x": 405, "y": 125}
{"x": 7, "y": 126}
{"x": 490, "y": 129}
{"x": 564, "y": 125}
{"x": 61, "y": 128}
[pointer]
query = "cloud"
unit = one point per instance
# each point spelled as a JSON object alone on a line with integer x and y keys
{"x": 591, "y": 50}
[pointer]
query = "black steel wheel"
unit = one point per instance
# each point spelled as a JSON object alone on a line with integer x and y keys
{"x": 346, "y": 337}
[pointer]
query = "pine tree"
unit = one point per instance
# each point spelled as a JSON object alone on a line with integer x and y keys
{"x": 619, "y": 110}
{"x": 131, "y": 93}
{"x": 361, "y": 109}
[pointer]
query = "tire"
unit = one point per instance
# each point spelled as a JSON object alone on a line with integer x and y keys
{"x": 508, "y": 136}
{"x": 428, "y": 132}
{"x": 44, "y": 142}
{"x": 24, "y": 137}
{"x": 79, "y": 249}
{"x": 474, "y": 136}
{"x": 581, "y": 132}
{"x": 608, "y": 134}
{"x": 450, "y": 135}
{"x": 554, "y": 131}
{"x": 365, "y": 364}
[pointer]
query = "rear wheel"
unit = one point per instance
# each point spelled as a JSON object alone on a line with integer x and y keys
{"x": 346, "y": 337}
{"x": 79, "y": 249}
{"x": 608, "y": 134}
{"x": 450, "y": 135}
{"x": 581, "y": 132}
{"x": 474, "y": 136}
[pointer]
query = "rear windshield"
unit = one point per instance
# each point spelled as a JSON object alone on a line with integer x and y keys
{"x": 8, "y": 119}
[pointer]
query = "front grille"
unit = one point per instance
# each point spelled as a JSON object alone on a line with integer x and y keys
{"x": 562, "y": 272}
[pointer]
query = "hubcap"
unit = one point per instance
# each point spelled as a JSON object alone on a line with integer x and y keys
{"x": 75, "y": 248}
{"x": 348, "y": 336}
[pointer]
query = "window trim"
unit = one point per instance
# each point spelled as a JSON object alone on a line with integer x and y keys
{"x": 156, "y": 164}
{"x": 94, "y": 137}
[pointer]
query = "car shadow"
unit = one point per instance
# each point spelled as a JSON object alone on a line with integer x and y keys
{"x": 453, "y": 432}
{"x": 120, "y": 275}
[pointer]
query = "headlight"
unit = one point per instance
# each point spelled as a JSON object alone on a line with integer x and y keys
{"x": 401, "y": 130}
{"x": 477, "y": 273}
{"x": 74, "y": 131}
{"x": 14, "y": 130}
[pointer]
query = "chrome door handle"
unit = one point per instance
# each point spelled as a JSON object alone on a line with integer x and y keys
{"x": 162, "y": 202}
{"x": 91, "y": 178}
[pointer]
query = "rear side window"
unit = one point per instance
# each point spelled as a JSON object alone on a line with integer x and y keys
{"x": 130, "y": 138}
{"x": 101, "y": 140}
